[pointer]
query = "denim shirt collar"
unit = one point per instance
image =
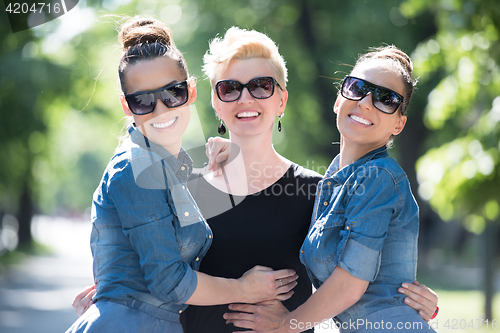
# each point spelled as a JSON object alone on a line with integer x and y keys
{"x": 173, "y": 164}
{"x": 176, "y": 169}
{"x": 341, "y": 175}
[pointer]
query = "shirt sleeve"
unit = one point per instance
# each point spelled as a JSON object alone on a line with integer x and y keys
{"x": 148, "y": 221}
{"x": 374, "y": 201}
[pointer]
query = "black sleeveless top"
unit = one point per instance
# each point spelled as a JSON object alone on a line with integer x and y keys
{"x": 266, "y": 228}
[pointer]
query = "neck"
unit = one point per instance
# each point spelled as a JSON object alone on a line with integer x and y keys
{"x": 350, "y": 153}
{"x": 256, "y": 153}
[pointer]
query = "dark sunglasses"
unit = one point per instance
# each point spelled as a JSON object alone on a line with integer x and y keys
{"x": 383, "y": 99}
{"x": 260, "y": 88}
{"x": 173, "y": 95}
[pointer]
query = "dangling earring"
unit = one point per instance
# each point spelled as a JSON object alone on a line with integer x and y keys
{"x": 279, "y": 121}
{"x": 221, "y": 129}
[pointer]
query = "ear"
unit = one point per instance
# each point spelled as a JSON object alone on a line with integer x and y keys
{"x": 125, "y": 108}
{"x": 215, "y": 103}
{"x": 336, "y": 106}
{"x": 283, "y": 100}
{"x": 192, "y": 91}
{"x": 400, "y": 124}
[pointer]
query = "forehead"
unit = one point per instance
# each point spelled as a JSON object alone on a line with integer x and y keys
{"x": 382, "y": 73}
{"x": 152, "y": 74}
{"x": 247, "y": 69}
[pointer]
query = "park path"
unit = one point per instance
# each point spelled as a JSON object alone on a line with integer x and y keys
{"x": 36, "y": 294}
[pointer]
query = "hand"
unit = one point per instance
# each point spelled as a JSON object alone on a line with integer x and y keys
{"x": 268, "y": 316}
{"x": 217, "y": 151}
{"x": 84, "y": 300}
{"x": 262, "y": 283}
{"x": 421, "y": 298}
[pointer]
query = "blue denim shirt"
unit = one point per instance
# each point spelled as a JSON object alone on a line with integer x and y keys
{"x": 365, "y": 220}
{"x": 148, "y": 235}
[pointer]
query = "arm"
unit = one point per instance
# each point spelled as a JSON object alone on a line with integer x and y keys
{"x": 340, "y": 291}
{"x": 256, "y": 285}
{"x": 148, "y": 219}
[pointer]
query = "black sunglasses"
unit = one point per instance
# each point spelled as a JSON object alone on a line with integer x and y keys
{"x": 383, "y": 99}
{"x": 173, "y": 95}
{"x": 260, "y": 88}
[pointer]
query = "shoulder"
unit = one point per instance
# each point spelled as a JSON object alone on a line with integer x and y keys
{"x": 298, "y": 171}
{"x": 383, "y": 167}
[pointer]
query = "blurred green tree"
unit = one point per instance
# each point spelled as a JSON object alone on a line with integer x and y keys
{"x": 460, "y": 173}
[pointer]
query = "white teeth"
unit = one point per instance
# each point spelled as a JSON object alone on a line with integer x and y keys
{"x": 247, "y": 114}
{"x": 360, "y": 120}
{"x": 165, "y": 125}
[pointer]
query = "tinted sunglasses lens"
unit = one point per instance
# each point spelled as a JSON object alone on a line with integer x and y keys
{"x": 354, "y": 89}
{"x": 228, "y": 91}
{"x": 141, "y": 104}
{"x": 261, "y": 87}
{"x": 386, "y": 100}
{"x": 175, "y": 95}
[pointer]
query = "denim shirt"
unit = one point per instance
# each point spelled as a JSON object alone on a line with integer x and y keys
{"x": 365, "y": 220}
{"x": 148, "y": 235}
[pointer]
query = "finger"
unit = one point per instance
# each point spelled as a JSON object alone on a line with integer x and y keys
{"x": 238, "y": 316}
{"x": 241, "y": 324}
{"x": 242, "y": 307}
{"x": 420, "y": 294}
{"x": 84, "y": 293}
{"x": 284, "y": 297}
{"x": 423, "y": 311}
{"x": 283, "y": 273}
{"x": 287, "y": 287}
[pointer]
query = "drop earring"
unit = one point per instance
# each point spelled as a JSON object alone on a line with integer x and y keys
{"x": 221, "y": 129}
{"x": 279, "y": 121}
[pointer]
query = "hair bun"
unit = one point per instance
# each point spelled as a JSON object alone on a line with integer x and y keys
{"x": 141, "y": 30}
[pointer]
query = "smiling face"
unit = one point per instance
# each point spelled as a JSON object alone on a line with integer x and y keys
{"x": 249, "y": 116}
{"x": 359, "y": 122}
{"x": 164, "y": 126}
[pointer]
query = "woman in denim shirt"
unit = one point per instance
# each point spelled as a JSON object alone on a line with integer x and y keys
{"x": 362, "y": 243}
{"x": 148, "y": 236}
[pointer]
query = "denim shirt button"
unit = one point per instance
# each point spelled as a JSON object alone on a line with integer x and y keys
{"x": 183, "y": 187}
{"x": 209, "y": 236}
{"x": 183, "y": 168}
{"x": 347, "y": 228}
{"x": 325, "y": 203}
{"x": 180, "y": 311}
{"x": 186, "y": 214}
{"x": 329, "y": 183}
{"x": 197, "y": 259}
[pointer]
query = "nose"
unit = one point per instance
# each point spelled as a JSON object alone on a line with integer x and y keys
{"x": 245, "y": 97}
{"x": 160, "y": 107}
{"x": 366, "y": 102}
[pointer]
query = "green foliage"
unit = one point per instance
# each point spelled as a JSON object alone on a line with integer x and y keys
{"x": 460, "y": 176}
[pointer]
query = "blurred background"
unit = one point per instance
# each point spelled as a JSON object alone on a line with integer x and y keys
{"x": 61, "y": 116}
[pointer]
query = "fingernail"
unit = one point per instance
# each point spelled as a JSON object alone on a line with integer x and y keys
{"x": 225, "y": 316}
{"x": 405, "y": 285}
{"x": 401, "y": 290}
{"x": 407, "y": 300}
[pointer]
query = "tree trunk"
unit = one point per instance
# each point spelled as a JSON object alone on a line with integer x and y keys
{"x": 24, "y": 217}
{"x": 489, "y": 256}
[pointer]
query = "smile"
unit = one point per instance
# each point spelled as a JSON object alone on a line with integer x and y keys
{"x": 247, "y": 114}
{"x": 165, "y": 125}
{"x": 360, "y": 120}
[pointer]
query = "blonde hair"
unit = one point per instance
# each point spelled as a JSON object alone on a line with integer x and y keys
{"x": 242, "y": 44}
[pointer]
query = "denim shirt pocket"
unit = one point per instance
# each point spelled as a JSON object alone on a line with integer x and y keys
{"x": 319, "y": 250}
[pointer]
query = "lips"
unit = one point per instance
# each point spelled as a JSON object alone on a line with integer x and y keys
{"x": 360, "y": 120}
{"x": 165, "y": 124}
{"x": 247, "y": 114}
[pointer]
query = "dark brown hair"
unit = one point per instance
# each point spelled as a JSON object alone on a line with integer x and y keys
{"x": 143, "y": 38}
{"x": 401, "y": 61}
